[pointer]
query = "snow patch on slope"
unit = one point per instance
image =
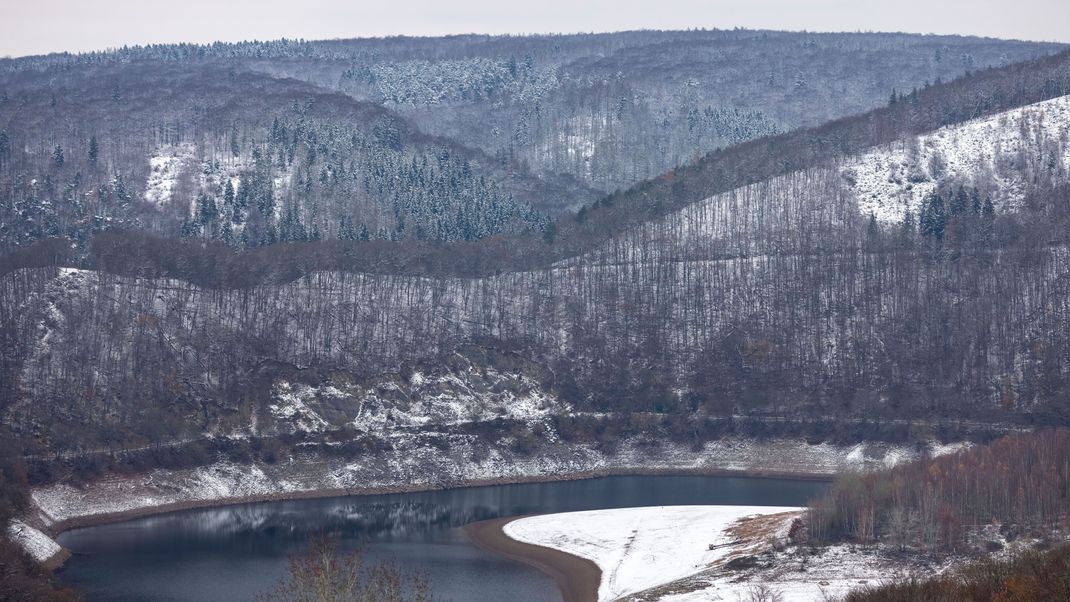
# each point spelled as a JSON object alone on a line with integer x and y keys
{"x": 38, "y": 545}
{"x": 999, "y": 154}
{"x": 291, "y": 407}
{"x": 165, "y": 167}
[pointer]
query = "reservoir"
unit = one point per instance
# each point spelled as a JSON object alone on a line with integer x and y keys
{"x": 240, "y": 552}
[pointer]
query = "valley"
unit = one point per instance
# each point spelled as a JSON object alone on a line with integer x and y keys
{"x": 293, "y": 271}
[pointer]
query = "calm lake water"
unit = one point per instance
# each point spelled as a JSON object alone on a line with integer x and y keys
{"x": 239, "y": 552}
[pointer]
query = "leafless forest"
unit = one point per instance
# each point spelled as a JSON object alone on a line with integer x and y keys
{"x": 283, "y": 227}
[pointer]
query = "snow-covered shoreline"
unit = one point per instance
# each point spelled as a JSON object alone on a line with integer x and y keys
{"x": 637, "y": 549}
{"x": 413, "y": 465}
{"x": 706, "y": 554}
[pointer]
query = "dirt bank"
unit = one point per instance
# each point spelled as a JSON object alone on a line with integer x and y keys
{"x": 576, "y": 577}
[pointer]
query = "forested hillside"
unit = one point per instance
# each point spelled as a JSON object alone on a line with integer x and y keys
{"x": 1018, "y": 484}
{"x": 854, "y": 270}
{"x": 243, "y": 159}
{"x": 447, "y": 139}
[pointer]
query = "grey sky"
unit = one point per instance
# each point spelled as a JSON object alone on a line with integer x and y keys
{"x": 39, "y": 26}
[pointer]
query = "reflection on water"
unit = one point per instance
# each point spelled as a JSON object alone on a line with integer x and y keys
{"x": 238, "y": 552}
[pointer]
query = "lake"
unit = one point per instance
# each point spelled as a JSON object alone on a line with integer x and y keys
{"x": 239, "y": 552}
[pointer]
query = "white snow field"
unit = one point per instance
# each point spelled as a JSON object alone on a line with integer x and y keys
{"x": 166, "y": 166}
{"x": 37, "y": 544}
{"x": 641, "y": 548}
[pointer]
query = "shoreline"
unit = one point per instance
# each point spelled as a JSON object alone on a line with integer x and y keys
{"x": 577, "y": 578}
{"x": 56, "y": 527}
{"x": 91, "y": 520}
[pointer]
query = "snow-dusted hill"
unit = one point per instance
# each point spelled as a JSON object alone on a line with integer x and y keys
{"x": 1002, "y": 155}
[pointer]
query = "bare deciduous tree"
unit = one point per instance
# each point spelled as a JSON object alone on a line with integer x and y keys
{"x": 322, "y": 573}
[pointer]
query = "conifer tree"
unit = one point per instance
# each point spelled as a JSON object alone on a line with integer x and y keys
{"x": 933, "y": 220}
{"x": 94, "y": 150}
{"x": 5, "y": 147}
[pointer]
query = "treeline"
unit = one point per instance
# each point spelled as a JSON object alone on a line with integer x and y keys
{"x": 1021, "y": 480}
{"x": 1035, "y": 576}
{"x": 324, "y": 573}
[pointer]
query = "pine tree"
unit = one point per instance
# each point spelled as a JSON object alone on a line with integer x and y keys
{"x": 121, "y": 193}
{"x": 933, "y": 216}
{"x": 873, "y": 229}
{"x": 226, "y": 232}
{"x": 207, "y": 210}
{"x": 5, "y": 147}
{"x": 345, "y": 228}
{"x": 960, "y": 201}
{"x": 276, "y": 131}
{"x": 94, "y": 150}
{"x": 907, "y": 228}
{"x": 549, "y": 233}
{"x": 57, "y": 156}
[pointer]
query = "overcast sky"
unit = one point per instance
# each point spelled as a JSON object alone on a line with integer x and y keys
{"x": 40, "y": 26}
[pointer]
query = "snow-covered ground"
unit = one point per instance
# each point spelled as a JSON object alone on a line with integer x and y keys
{"x": 291, "y": 406}
{"x": 710, "y": 554}
{"x": 170, "y": 163}
{"x": 165, "y": 168}
{"x": 640, "y": 548}
{"x": 999, "y": 154}
{"x": 38, "y": 545}
{"x": 791, "y": 575}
